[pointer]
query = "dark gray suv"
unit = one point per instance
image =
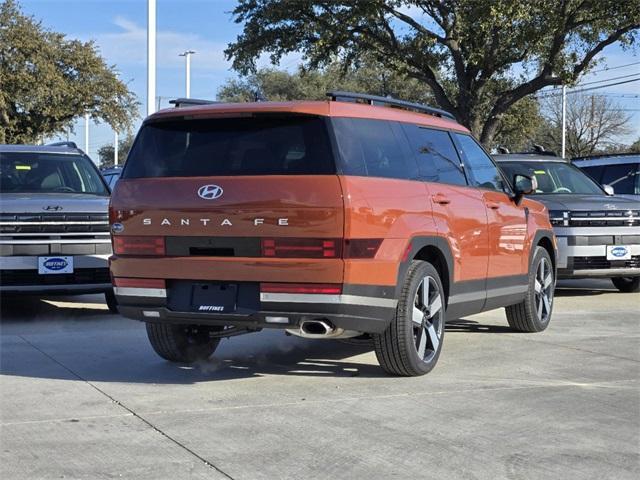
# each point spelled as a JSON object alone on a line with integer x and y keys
{"x": 598, "y": 234}
{"x": 54, "y": 225}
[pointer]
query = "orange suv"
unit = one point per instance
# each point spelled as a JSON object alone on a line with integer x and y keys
{"x": 355, "y": 216}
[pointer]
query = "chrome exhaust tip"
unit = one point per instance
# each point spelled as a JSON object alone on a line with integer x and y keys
{"x": 320, "y": 328}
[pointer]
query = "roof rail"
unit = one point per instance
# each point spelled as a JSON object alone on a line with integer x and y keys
{"x": 189, "y": 102}
{"x": 337, "y": 95}
{"x": 63, "y": 144}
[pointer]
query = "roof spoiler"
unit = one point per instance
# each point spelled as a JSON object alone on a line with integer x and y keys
{"x": 337, "y": 95}
{"x": 190, "y": 102}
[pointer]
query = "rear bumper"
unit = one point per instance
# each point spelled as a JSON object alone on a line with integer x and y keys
{"x": 351, "y": 310}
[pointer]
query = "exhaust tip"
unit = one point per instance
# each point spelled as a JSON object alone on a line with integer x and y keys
{"x": 316, "y": 327}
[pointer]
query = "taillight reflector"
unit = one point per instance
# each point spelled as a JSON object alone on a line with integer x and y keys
{"x": 325, "y": 288}
{"x": 301, "y": 247}
{"x": 128, "y": 245}
{"x": 139, "y": 282}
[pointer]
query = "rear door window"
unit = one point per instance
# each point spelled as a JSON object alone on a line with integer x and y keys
{"x": 437, "y": 158}
{"x": 260, "y": 145}
{"x": 483, "y": 171}
{"x": 374, "y": 148}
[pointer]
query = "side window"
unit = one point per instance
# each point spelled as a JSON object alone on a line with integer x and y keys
{"x": 622, "y": 177}
{"x": 483, "y": 171}
{"x": 373, "y": 148}
{"x": 437, "y": 158}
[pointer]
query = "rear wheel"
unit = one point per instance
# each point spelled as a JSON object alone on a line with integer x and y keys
{"x": 412, "y": 343}
{"x": 627, "y": 284}
{"x": 534, "y": 312}
{"x": 181, "y": 343}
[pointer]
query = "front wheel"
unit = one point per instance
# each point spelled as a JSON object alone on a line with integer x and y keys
{"x": 412, "y": 343}
{"x": 534, "y": 312}
{"x": 627, "y": 284}
{"x": 181, "y": 343}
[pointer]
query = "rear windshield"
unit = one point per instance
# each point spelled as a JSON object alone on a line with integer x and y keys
{"x": 26, "y": 172}
{"x": 292, "y": 145}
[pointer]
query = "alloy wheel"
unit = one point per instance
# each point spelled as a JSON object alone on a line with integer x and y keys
{"x": 428, "y": 319}
{"x": 543, "y": 290}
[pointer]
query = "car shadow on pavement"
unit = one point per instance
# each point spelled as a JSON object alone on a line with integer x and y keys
{"x": 29, "y": 308}
{"x": 471, "y": 326}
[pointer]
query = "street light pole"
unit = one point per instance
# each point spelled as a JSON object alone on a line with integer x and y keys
{"x": 86, "y": 133}
{"x": 564, "y": 119}
{"x": 187, "y": 71}
{"x": 151, "y": 56}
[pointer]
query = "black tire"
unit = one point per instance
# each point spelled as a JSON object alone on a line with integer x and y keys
{"x": 112, "y": 303}
{"x": 534, "y": 312}
{"x": 627, "y": 284}
{"x": 181, "y": 343}
{"x": 413, "y": 331}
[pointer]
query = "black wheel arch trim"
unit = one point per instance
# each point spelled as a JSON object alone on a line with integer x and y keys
{"x": 415, "y": 245}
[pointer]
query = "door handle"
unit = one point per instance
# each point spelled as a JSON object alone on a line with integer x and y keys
{"x": 493, "y": 205}
{"x": 441, "y": 199}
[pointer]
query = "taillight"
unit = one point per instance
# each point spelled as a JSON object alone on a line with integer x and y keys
{"x": 315, "y": 288}
{"x": 129, "y": 245}
{"x": 124, "y": 282}
{"x": 361, "y": 247}
{"x": 301, "y": 247}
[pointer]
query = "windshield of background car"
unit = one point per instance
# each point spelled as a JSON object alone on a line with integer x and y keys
{"x": 33, "y": 172}
{"x": 553, "y": 177}
{"x": 260, "y": 145}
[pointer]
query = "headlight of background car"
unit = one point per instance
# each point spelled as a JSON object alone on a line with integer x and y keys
{"x": 559, "y": 217}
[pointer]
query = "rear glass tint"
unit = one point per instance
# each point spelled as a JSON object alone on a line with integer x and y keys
{"x": 374, "y": 148}
{"x": 292, "y": 145}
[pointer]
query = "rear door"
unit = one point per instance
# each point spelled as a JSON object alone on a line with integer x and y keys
{"x": 508, "y": 260}
{"x": 460, "y": 215}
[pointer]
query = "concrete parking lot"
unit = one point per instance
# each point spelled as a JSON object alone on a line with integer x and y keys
{"x": 84, "y": 396}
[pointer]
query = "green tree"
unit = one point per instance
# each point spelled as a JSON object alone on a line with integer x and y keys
{"x": 464, "y": 50}
{"x": 47, "y": 81}
{"x": 106, "y": 153}
{"x": 634, "y": 147}
{"x": 313, "y": 84}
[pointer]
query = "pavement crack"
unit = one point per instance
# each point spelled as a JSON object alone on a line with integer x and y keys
{"x": 130, "y": 410}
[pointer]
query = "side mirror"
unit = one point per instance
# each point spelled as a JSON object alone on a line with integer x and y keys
{"x": 608, "y": 189}
{"x": 523, "y": 185}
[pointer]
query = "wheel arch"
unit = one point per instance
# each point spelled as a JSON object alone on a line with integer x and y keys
{"x": 544, "y": 239}
{"x": 434, "y": 250}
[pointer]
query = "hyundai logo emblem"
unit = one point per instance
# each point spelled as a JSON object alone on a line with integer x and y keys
{"x": 210, "y": 192}
{"x": 117, "y": 228}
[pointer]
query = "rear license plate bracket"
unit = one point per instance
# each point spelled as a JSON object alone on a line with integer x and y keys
{"x": 214, "y": 297}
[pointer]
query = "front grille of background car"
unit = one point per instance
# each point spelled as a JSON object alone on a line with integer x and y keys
{"x": 81, "y": 276}
{"x": 606, "y": 218}
{"x": 597, "y": 263}
{"x": 52, "y": 223}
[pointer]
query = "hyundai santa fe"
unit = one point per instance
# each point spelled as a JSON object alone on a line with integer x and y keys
{"x": 327, "y": 219}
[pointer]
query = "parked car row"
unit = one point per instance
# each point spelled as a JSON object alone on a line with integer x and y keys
{"x": 360, "y": 216}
